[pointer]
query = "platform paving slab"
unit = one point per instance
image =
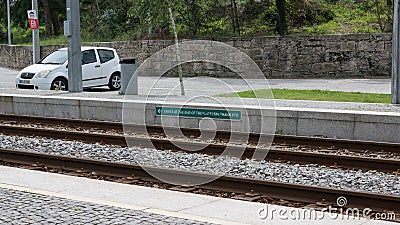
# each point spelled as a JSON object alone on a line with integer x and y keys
{"x": 23, "y": 207}
{"x": 55, "y": 194}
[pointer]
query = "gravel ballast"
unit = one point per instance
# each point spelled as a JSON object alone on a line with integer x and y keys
{"x": 322, "y": 176}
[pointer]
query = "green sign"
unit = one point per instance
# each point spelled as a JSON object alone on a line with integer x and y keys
{"x": 200, "y": 113}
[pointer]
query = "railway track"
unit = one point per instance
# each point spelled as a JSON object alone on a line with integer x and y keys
{"x": 252, "y": 138}
{"x": 310, "y": 194}
{"x": 386, "y": 165}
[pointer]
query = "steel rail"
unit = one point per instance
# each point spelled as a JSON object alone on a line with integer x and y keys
{"x": 309, "y": 194}
{"x": 386, "y": 165}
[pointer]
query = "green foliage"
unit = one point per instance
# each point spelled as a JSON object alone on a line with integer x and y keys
{"x": 24, "y": 36}
{"x": 107, "y": 20}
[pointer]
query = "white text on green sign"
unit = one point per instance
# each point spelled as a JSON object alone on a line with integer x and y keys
{"x": 200, "y": 113}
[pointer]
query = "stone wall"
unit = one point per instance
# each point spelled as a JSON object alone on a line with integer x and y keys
{"x": 327, "y": 56}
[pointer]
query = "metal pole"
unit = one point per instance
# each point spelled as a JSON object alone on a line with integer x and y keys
{"x": 396, "y": 55}
{"x": 35, "y": 36}
{"x": 74, "y": 47}
{"x": 8, "y": 22}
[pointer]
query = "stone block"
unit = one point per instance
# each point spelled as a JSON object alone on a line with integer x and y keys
{"x": 249, "y": 111}
{"x": 304, "y": 59}
{"x": 138, "y": 116}
{"x": 286, "y": 125}
{"x": 339, "y": 56}
{"x": 345, "y": 46}
{"x": 189, "y": 122}
{"x": 324, "y": 67}
{"x": 231, "y": 125}
{"x": 6, "y": 105}
{"x": 98, "y": 113}
{"x": 32, "y": 106}
{"x": 170, "y": 121}
{"x": 378, "y": 117}
{"x": 335, "y": 115}
{"x": 286, "y": 113}
{"x": 349, "y": 65}
{"x": 62, "y": 107}
{"x": 375, "y": 131}
{"x": 99, "y": 103}
{"x": 254, "y": 52}
{"x": 354, "y": 37}
{"x": 341, "y": 129}
{"x": 265, "y": 125}
{"x": 371, "y": 46}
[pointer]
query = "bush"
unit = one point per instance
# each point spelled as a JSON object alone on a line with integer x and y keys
{"x": 308, "y": 13}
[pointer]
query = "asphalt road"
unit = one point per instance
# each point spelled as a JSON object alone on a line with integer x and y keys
{"x": 212, "y": 86}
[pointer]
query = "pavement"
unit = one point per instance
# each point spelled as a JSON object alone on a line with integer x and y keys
{"x": 34, "y": 197}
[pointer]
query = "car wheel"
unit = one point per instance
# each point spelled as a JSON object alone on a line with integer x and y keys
{"x": 115, "y": 81}
{"x": 60, "y": 84}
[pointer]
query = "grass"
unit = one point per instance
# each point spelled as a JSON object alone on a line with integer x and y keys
{"x": 349, "y": 18}
{"x": 315, "y": 95}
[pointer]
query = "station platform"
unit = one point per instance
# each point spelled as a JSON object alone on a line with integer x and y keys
{"x": 353, "y": 121}
{"x": 34, "y": 197}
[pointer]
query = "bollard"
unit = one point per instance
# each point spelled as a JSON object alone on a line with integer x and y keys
{"x": 128, "y": 68}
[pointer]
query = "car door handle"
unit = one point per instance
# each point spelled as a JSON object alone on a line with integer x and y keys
{"x": 97, "y": 66}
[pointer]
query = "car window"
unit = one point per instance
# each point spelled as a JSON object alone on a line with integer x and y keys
{"x": 105, "y": 55}
{"x": 88, "y": 56}
{"x": 58, "y": 57}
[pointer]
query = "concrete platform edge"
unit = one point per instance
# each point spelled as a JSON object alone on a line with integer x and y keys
{"x": 332, "y": 123}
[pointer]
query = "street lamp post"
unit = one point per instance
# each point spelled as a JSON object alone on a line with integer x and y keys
{"x": 8, "y": 22}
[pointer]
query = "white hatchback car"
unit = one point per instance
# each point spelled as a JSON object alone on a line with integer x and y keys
{"x": 100, "y": 67}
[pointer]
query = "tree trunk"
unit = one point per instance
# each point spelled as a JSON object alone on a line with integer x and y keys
{"x": 281, "y": 25}
{"x": 193, "y": 10}
{"x": 235, "y": 15}
{"x": 378, "y": 14}
{"x": 56, "y": 24}
{"x": 47, "y": 18}
{"x": 389, "y": 4}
